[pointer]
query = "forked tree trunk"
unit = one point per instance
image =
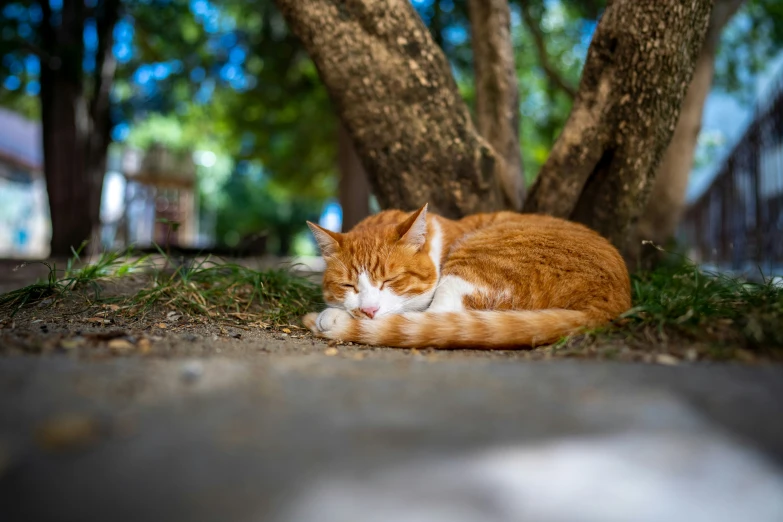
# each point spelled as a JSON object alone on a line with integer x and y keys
{"x": 497, "y": 94}
{"x": 667, "y": 198}
{"x": 354, "y": 188}
{"x": 393, "y": 90}
{"x": 638, "y": 68}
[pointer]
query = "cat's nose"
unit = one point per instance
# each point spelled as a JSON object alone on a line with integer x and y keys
{"x": 370, "y": 311}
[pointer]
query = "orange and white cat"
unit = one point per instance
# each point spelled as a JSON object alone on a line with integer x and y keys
{"x": 499, "y": 280}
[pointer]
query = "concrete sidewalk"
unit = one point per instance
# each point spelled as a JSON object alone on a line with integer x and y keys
{"x": 251, "y": 439}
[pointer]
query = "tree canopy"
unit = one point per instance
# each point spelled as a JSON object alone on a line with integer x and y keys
{"x": 239, "y": 83}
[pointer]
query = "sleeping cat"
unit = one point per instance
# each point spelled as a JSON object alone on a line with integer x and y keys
{"x": 499, "y": 280}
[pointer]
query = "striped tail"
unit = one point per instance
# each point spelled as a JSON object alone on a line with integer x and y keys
{"x": 465, "y": 329}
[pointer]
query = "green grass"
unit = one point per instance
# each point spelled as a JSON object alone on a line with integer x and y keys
{"x": 209, "y": 288}
{"x": 219, "y": 290}
{"x": 61, "y": 283}
{"x": 683, "y": 302}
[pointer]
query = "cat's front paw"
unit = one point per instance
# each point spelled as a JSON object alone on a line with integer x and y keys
{"x": 332, "y": 323}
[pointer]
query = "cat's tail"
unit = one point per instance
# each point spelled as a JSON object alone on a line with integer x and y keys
{"x": 468, "y": 329}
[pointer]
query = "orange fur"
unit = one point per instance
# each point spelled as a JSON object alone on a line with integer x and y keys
{"x": 533, "y": 279}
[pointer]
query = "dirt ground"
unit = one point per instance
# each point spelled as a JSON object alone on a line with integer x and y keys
{"x": 87, "y": 330}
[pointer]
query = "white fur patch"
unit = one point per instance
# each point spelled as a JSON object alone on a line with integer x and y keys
{"x": 448, "y": 296}
{"x": 333, "y": 322}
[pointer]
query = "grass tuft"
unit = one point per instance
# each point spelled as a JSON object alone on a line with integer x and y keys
{"x": 58, "y": 286}
{"x": 209, "y": 288}
{"x": 683, "y": 301}
{"x": 220, "y": 290}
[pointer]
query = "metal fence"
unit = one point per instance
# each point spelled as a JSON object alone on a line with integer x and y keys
{"x": 736, "y": 223}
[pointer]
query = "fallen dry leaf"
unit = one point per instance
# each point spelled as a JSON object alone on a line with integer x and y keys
{"x": 331, "y": 352}
{"x": 162, "y": 326}
{"x": 70, "y": 344}
{"x": 68, "y": 431}
{"x": 98, "y": 320}
{"x": 286, "y": 330}
{"x": 120, "y": 345}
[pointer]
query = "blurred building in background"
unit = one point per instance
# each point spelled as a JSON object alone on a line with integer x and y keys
{"x": 148, "y": 198}
{"x": 24, "y": 210}
{"x": 159, "y": 203}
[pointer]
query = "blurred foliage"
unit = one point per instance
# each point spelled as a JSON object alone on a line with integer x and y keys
{"x": 750, "y": 40}
{"x": 256, "y": 204}
{"x": 229, "y": 78}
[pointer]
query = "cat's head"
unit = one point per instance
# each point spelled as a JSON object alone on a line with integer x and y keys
{"x": 378, "y": 269}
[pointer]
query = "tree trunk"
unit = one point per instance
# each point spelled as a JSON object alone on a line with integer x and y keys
{"x": 354, "y": 188}
{"x": 638, "y": 67}
{"x": 64, "y": 125}
{"x": 393, "y": 90}
{"x": 497, "y": 94}
{"x": 667, "y": 198}
{"x": 76, "y": 130}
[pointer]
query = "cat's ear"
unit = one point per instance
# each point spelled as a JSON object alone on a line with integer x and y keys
{"x": 413, "y": 230}
{"x": 328, "y": 241}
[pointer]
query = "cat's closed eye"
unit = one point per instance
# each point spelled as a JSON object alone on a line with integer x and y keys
{"x": 389, "y": 280}
{"x": 348, "y": 285}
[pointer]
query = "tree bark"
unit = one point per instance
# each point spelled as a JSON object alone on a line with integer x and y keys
{"x": 354, "y": 188}
{"x": 638, "y": 67}
{"x": 76, "y": 128}
{"x": 393, "y": 90}
{"x": 497, "y": 94}
{"x": 667, "y": 198}
{"x": 64, "y": 126}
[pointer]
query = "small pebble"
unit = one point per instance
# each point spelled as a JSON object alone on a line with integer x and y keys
{"x": 192, "y": 371}
{"x": 144, "y": 346}
{"x": 666, "y": 359}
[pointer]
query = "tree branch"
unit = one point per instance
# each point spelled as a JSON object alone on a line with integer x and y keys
{"x": 105, "y": 62}
{"x": 497, "y": 94}
{"x": 543, "y": 57}
{"x": 43, "y": 56}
